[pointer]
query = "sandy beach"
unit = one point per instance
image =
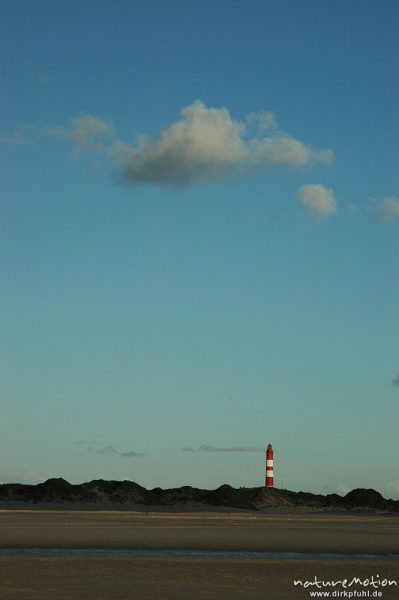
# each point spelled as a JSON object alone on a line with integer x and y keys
{"x": 190, "y": 578}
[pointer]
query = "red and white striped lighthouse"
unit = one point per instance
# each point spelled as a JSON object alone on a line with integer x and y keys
{"x": 269, "y": 466}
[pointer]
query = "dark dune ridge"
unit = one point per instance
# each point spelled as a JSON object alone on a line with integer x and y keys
{"x": 98, "y": 491}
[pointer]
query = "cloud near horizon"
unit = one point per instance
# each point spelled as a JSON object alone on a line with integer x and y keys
{"x": 207, "y": 448}
{"x": 26, "y": 476}
{"x": 336, "y": 487}
{"x": 317, "y": 200}
{"x": 390, "y": 489}
{"x": 109, "y": 450}
{"x": 207, "y": 145}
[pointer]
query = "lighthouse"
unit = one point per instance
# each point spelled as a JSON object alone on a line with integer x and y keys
{"x": 269, "y": 466}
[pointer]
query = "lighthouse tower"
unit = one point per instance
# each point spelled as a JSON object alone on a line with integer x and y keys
{"x": 269, "y": 466}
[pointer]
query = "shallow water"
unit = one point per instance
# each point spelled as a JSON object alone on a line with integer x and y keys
{"x": 127, "y": 553}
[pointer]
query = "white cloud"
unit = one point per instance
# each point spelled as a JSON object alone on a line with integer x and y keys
{"x": 336, "y": 487}
{"x": 27, "y": 476}
{"x": 86, "y": 133}
{"x": 87, "y": 130}
{"x": 317, "y": 200}
{"x": 390, "y": 489}
{"x": 203, "y": 145}
{"x": 388, "y": 209}
{"x": 395, "y": 380}
{"x": 206, "y": 144}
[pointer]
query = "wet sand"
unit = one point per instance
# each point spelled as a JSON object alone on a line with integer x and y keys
{"x": 177, "y": 579}
{"x": 373, "y": 534}
{"x": 189, "y": 578}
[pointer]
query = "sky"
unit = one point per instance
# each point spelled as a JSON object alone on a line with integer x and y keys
{"x": 199, "y": 217}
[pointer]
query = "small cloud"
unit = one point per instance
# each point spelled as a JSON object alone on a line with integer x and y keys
{"x": 336, "y": 487}
{"x": 390, "y": 489}
{"x": 88, "y": 444}
{"x": 388, "y": 209}
{"x": 86, "y": 133}
{"x": 317, "y": 200}
{"x": 108, "y": 450}
{"x": 27, "y": 476}
{"x": 395, "y": 380}
{"x": 206, "y": 448}
{"x": 131, "y": 454}
{"x": 208, "y": 145}
{"x": 187, "y": 449}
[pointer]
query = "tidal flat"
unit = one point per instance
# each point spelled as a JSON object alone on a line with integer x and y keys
{"x": 187, "y": 577}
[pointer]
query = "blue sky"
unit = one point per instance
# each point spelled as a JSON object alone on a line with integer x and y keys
{"x": 199, "y": 242}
